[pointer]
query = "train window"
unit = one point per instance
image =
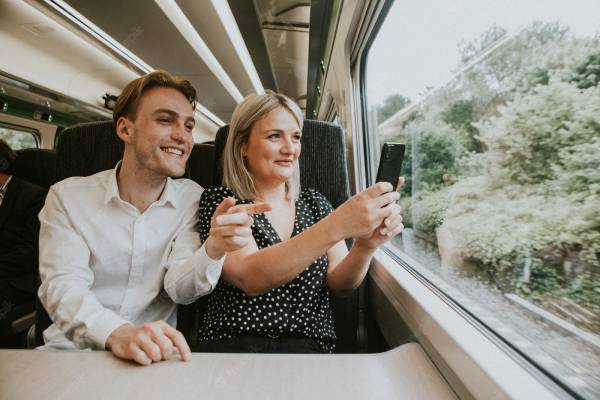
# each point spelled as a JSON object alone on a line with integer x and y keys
{"x": 19, "y": 137}
{"x": 500, "y": 109}
{"x": 335, "y": 120}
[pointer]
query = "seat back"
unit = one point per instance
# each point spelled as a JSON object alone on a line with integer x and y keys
{"x": 323, "y": 167}
{"x": 37, "y": 166}
{"x": 86, "y": 149}
{"x": 200, "y": 164}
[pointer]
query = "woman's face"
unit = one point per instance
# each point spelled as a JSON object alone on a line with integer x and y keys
{"x": 273, "y": 147}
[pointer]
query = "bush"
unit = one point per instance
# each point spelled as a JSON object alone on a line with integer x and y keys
{"x": 428, "y": 210}
{"x": 436, "y": 153}
{"x": 406, "y": 204}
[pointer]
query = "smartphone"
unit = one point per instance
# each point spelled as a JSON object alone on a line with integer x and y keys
{"x": 390, "y": 163}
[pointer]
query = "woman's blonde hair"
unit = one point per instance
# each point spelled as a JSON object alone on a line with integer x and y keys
{"x": 236, "y": 175}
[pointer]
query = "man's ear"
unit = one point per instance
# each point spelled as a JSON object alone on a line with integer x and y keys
{"x": 124, "y": 129}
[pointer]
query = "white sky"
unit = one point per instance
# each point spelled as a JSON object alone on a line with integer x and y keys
{"x": 417, "y": 44}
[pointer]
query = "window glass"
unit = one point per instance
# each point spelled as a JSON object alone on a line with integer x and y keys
{"x": 18, "y": 138}
{"x": 498, "y": 103}
{"x": 335, "y": 120}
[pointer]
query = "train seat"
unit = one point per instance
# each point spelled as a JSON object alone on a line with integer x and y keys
{"x": 37, "y": 166}
{"x": 88, "y": 148}
{"x": 323, "y": 166}
{"x": 81, "y": 150}
{"x": 200, "y": 168}
{"x": 200, "y": 164}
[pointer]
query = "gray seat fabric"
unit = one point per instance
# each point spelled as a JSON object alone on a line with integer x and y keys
{"x": 200, "y": 164}
{"x": 86, "y": 149}
{"x": 36, "y": 166}
{"x": 323, "y": 167}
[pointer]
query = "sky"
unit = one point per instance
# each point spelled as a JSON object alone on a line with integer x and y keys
{"x": 417, "y": 44}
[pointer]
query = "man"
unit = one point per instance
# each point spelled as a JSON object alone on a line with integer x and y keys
{"x": 118, "y": 249}
{"x": 20, "y": 202}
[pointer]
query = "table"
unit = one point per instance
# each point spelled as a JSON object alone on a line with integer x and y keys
{"x": 402, "y": 373}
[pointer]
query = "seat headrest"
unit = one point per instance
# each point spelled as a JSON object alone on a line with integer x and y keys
{"x": 36, "y": 166}
{"x": 323, "y": 164}
{"x": 86, "y": 149}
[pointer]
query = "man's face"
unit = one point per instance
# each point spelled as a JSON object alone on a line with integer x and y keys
{"x": 161, "y": 135}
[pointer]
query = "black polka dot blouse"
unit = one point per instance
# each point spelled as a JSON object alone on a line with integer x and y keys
{"x": 299, "y": 307}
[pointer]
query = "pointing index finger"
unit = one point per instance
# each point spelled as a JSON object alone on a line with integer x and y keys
{"x": 256, "y": 208}
{"x": 227, "y": 204}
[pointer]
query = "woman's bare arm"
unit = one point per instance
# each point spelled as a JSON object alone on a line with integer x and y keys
{"x": 257, "y": 271}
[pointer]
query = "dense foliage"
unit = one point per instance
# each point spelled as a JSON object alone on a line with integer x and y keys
{"x": 507, "y": 158}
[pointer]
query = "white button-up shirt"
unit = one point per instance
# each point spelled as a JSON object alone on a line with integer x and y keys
{"x": 104, "y": 264}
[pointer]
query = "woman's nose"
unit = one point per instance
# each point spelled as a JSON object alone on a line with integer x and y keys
{"x": 287, "y": 147}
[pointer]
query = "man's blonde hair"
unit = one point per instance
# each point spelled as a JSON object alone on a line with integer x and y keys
{"x": 236, "y": 175}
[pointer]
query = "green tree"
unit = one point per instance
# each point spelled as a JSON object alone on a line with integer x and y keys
{"x": 390, "y": 106}
{"x": 588, "y": 73}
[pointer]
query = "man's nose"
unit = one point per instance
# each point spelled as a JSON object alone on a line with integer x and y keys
{"x": 179, "y": 133}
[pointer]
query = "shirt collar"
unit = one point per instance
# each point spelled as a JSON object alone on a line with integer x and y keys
{"x": 168, "y": 195}
{"x": 3, "y": 189}
{"x": 6, "y": 183}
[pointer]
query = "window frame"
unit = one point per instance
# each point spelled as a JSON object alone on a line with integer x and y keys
{"x": 37, "y": 137}
{"x": 471, "y": 374}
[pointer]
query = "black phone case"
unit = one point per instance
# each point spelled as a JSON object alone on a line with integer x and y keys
{"x": 390, "y": 163}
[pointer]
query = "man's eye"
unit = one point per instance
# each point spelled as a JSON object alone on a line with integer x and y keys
{"x": 164, "y": 120}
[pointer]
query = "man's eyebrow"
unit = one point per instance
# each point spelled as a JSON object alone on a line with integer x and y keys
{"x": 174, "y": 114}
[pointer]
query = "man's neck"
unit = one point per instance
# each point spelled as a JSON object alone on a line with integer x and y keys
{"x": 137, "y": 186}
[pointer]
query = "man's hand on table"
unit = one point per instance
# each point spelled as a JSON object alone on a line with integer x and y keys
{"x": 147, "y": 343}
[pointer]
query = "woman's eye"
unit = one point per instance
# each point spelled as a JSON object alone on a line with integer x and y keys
{"x": 273, "y": 136}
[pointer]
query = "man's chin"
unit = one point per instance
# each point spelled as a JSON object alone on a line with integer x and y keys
{"x": 172, "y": 172}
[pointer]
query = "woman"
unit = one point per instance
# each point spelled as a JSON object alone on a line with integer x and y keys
{"x": 273, "y": 295}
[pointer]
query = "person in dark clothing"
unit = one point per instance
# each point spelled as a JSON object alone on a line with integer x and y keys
{"x": 20, "y": 203}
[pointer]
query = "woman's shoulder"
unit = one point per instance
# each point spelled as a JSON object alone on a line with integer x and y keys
{"x": 213, "y": 196}
{"x": 216, "y": 192}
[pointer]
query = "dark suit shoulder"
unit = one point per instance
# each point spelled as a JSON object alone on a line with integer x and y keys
{"x": 26, "y": 192}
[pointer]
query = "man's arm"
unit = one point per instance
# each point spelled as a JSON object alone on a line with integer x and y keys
{"x": 191, "y": 273}
{"x": 67, "y": 279}
{"x": 194, "y": 270}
